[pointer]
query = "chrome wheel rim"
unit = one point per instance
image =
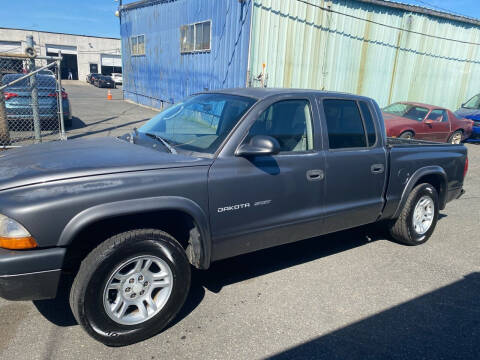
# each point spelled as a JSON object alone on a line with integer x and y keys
{"x": 457, "y": 138}
{"x": 137, "y": 290}
{"x": 423, "y": 215}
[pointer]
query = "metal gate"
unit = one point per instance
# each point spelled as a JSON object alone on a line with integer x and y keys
{"x": 33, "y": 103}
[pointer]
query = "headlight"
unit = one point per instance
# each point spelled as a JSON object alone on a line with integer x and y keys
{"x": 14, "y": 236}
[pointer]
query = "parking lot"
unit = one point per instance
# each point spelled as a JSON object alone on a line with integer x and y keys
{"x": 94, "y": 115}
{"x": 353, "y": 294}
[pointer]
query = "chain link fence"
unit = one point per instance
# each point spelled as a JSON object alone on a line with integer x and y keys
{"x": 33, "y": 105}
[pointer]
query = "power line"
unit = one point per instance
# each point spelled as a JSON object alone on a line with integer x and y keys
{"x": 388, "y": 26}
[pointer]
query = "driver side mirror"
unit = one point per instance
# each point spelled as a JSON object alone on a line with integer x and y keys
{"x": 259, "y": 145}
{"x": 429, "y": 121}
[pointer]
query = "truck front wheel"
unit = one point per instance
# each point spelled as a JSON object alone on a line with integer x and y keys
{"x": 130, "y": 287}
{"x": 418, "y": 218}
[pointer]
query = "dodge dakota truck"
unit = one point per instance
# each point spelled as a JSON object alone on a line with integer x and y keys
{"x": 217, "y": 175}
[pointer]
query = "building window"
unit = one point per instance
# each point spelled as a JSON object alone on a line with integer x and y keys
{"x": 195, "y": 37}
{"x": 137, "y": 45}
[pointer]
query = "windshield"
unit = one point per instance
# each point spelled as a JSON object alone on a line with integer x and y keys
{"x": 408, "y": 111}
{"x": 473, "y": 103}
{"x": 200, "y": 123}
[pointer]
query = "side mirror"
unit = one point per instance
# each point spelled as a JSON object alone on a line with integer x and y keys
{"x": 259, "y": 145}
{"x": 429, "y": 121}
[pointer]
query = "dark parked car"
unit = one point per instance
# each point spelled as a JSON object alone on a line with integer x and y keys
{"x": 217, "y": 175}
{"x": 471, "y": 110}
{"x": 104, "y": 81}
{"x": 18, "y": 102}
{"x": 425, "y": 122}
{"x": 91, "y": 77}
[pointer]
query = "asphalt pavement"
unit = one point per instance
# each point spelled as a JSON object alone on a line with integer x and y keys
{"x": 349, "y": 295}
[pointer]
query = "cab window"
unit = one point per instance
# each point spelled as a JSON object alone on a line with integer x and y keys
{"x": 344, "y": 124}
{"x": 289, "y": 122}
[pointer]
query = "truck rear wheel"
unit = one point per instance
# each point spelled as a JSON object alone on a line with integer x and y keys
{"x": 130, "y": 287}
{"x": 418, "y": 218}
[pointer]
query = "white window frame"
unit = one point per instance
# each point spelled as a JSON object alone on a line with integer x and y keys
{"x": 137, "y": 53}
{"x": 195, "y": 38}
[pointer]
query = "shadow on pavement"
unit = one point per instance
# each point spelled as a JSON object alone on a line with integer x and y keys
{"x": 443, "y": 324}
{"x": 58, "y": 310}
{"x": 244, "y": 267}
{"x": 77, "y": 123}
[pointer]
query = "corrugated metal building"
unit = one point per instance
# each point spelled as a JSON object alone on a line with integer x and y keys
{"x": 387, "y": 50}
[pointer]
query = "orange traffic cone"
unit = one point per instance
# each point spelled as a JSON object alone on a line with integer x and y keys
{"x": 109, "y": 95}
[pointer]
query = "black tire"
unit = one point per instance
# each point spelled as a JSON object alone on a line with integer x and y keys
{"x": 406, "y": 135}
{"x": 403, "y": 229}
{"x": 67, "y": 123}
{"x": 86, "y": 295}
{"x": 452, "y": 139}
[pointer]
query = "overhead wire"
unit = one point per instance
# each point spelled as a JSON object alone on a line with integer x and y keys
{"x": 386, "y": 25}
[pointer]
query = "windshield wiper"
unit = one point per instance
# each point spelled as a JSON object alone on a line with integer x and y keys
{"x": 163, "y": 141}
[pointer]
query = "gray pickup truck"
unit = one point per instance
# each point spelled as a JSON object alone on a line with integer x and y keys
{"x": 220, "y": 174}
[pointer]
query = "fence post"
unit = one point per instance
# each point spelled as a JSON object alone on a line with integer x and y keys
{"x": 4, "y": 132}
{"x": 33, "y": 86}
{"x": 59, "y": 96}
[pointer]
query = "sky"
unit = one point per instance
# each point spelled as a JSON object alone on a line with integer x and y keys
{"x": 97, "y": 17}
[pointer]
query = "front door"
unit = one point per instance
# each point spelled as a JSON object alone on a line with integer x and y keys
{"x": 356, "y": 164}
{"x": 262, "y": 201}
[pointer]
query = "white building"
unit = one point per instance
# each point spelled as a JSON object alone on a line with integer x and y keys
{"x": 81, "y": 54}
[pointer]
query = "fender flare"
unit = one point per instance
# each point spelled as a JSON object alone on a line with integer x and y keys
{"x": 137, "y": 206}
{"x": 417, "y": 175}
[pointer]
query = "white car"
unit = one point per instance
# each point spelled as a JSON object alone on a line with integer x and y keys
{"x": 117, "y": 78}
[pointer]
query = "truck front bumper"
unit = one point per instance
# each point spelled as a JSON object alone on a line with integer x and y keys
{"x": 30, "y": 275}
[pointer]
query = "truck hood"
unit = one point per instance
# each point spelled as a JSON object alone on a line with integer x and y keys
{"x": 62, "y": 160}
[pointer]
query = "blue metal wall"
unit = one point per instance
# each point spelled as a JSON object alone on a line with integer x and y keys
{"x": 165, "y": 75}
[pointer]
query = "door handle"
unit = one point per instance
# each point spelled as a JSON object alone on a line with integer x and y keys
{"x": 377, "y": 168}
{"x": 315, "y": 175}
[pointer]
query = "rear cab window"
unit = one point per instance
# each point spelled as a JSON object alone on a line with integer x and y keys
{"x": 349, "y": 124}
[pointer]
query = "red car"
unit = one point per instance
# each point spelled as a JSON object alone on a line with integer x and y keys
{"x": 425, "y": 122}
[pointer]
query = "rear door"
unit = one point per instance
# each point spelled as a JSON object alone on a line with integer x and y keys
{"x": 356, "y": 161}
{"x": 262, "y": 201}
{"x": 437, "y": 125}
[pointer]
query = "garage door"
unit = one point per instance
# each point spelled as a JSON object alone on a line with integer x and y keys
{"x": 14, "y": 47}
{"x": 112, "y": 60}
{"x": 64, "y": 48}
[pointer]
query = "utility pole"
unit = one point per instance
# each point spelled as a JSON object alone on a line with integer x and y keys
{"x": 33, "y": 86}
{"x": 4, "y": 132}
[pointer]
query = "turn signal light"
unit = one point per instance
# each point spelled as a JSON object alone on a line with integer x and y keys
{"x": 465, "y": 169}
{"x": 9, "y": 95}
{"x": 18, "y": 243}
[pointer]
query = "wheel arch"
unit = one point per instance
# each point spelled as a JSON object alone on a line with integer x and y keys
{"x": 143, "y": 212}
{"x": 407, "y": 130}
{"x": 434, "y": 175}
